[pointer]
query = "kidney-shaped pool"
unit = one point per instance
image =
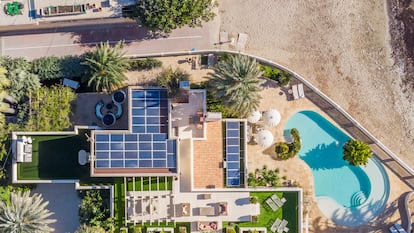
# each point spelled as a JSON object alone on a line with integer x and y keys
{"x": 346, "y": 194}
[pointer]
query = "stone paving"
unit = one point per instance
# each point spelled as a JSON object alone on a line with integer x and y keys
{"x": 274, "y": 96}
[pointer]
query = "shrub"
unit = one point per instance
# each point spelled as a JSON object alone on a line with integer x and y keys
{"x": 72, "y": 67}
{"x": 46, "y": 68}
{"x": 170, "y": 79}
{"x": 289, "y": 150}
{"x": 135, "y": 229}
{"x": 264, "y": 177}
{"x": 144, "y": 64}
{"x": 276, "y": 74}
{"x": 230, "y": 230}
{"x": 93, "y": 211}
{"x": 254, "y": 199}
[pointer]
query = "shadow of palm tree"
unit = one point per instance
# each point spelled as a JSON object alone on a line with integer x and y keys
{"x": 315, "y": 157}
{"x": 131, "y": 32}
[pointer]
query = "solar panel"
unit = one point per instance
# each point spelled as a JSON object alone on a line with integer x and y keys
{"x": 149, "y": 111}
{"x": 233, "y": 153}
{"x": 138, "y": 149}
{"x": 148, "y": 145}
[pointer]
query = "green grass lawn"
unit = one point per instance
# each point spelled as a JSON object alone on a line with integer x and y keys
{"x": 119, "y": 203}
{"x": 289, "y": 211}
{"x": 55, "y": 157}
{"x": 143, "y": 183}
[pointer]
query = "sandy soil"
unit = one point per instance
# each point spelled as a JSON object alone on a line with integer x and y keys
{"x": 342, "y": 47}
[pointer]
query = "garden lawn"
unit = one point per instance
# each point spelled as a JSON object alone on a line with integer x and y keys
{"x": 55, "y": 157}
{"x": 143, "y": 183}
{"x": 119, "y": 202}
{"x": 289, "y": 211}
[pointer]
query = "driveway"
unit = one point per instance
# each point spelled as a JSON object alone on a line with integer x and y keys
{"x": 64, "y": 202}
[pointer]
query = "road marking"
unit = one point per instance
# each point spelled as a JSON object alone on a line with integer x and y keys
{"x": 93, "y": 43}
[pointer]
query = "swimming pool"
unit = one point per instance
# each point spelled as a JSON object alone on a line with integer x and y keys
{"x": 346, "y": 194}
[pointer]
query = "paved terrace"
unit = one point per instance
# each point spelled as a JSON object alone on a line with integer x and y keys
{"x": 277, "y": 97}
{"x": 158, "y": 206}
{"x": 208, "y": 158}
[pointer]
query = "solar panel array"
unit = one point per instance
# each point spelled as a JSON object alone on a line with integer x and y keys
{"x": 149, "y": 111}
{"x": 134, "y": 151}
{"x": 233, "y": 153}
{"x": 148, "y": 145}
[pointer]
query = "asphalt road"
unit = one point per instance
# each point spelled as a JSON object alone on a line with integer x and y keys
{"x": 78, "y": 39}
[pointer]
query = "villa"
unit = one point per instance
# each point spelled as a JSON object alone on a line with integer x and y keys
{"x": 167, "y": 163}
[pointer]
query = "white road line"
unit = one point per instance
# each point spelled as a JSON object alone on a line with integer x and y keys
{"x": 93, "y": 43}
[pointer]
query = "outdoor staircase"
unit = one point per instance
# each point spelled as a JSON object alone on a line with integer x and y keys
{"x": 358, "y": 198}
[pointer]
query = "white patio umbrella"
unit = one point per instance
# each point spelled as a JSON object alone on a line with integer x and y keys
{"x": 264, "y": 138}
{"x": 271, "y": 117}
{"x": 254, "y": 117}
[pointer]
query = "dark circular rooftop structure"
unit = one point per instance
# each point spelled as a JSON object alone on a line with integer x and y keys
{"x": 109, "y": 119}
{"x": 119, "y": 97}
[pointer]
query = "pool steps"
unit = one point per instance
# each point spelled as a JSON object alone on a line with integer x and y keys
{"x": 358, "y": 198}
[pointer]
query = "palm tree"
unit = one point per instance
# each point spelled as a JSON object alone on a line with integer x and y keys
{"x": 235, "y": 81}
{"x": 107, "y": 67}
{"x": 25, "y": 214}
{"x": 356, "y": 152}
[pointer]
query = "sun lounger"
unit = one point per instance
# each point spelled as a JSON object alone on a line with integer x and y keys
{"x": 277, "y": 200}
{"x": 282, "y": 226}
{"x": 283, "y": 200}
{"x": 399, "y": 228}
{"x": 275, "y": 225}
{"x": 295, "y": 92}
{"x": 393, "y": 229}
{"x": 207, "y": 211}
{"x": 272, "y": 204}
{"x": 300, "y": 90}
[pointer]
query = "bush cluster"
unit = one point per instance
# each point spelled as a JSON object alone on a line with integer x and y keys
{"x": 276, "y": 74}
{"x": 144, "y": 64}
{"x": 289, "y": 150}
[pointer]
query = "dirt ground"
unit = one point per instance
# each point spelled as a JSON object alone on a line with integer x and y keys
{"x": 342, "y": 47}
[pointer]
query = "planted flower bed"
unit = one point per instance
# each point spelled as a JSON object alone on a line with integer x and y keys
{"x": 64, "y": 10}
{"x": 13, "y": 8}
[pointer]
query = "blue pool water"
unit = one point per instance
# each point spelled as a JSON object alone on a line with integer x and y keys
{"x": 347, "y": 194}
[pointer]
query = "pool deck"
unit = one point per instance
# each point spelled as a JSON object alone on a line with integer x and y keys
{"x": 295, "y": 169}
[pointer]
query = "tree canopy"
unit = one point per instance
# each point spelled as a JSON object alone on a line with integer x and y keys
{"x": 166, "y": 15}
{"x": 25, "y": 213}
{"x": 50, "y": 109}
{"x": 235, "y": 82}
{"x": 107, "y": 66}
{"x": 356, "y": 152}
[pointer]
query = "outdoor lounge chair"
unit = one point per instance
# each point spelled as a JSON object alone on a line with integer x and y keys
{"x": 295, "y": 92}
{"x": 272, "y": 204}
{"x": 393, "y": 229}
{"x": 275, "y": 225}
{"x": 207, "y": 211}
{"x": 276, "y": 199}
{"x": 300, "y": 90}
{"x": 98, "y": 108}
{"x": 399, "y": 228}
